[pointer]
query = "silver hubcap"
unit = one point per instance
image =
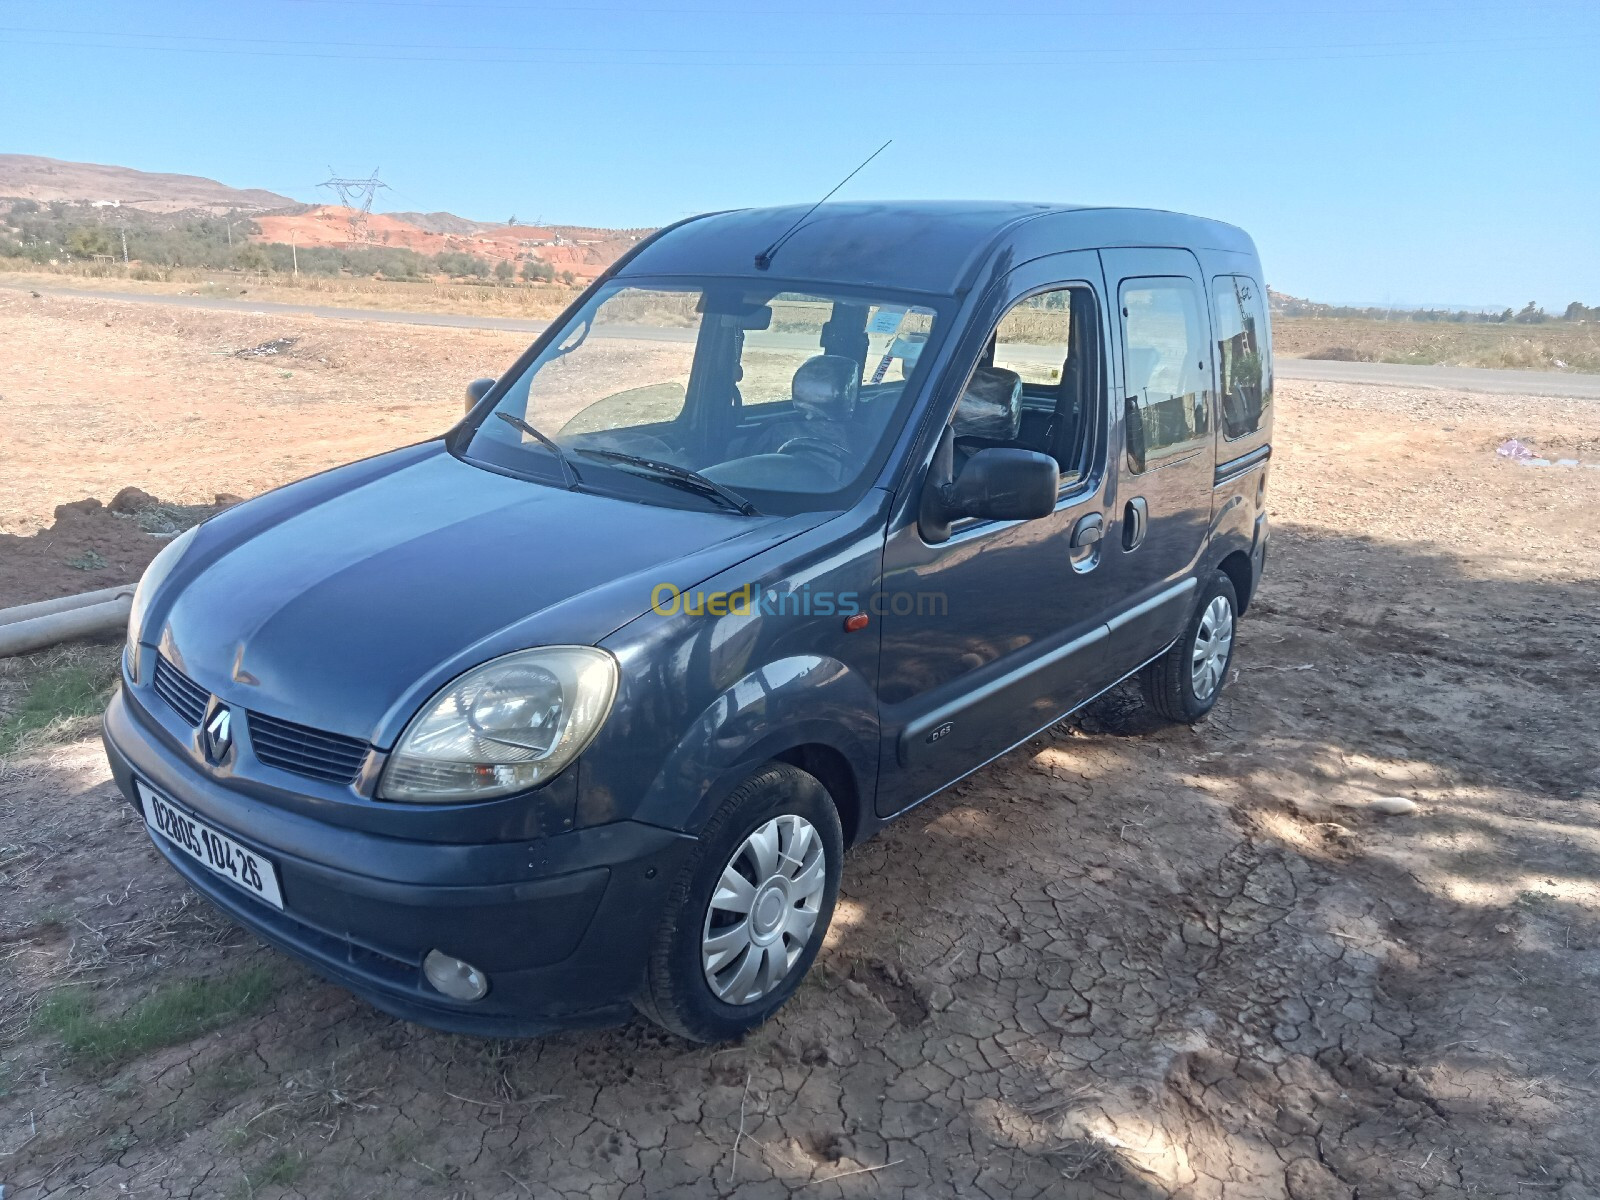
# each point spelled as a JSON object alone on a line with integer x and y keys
{"x": 1212, "y": 642}
{"x": 764, "y": 910}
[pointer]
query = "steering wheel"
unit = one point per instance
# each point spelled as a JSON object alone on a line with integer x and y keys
{"x": 835, "y": 458}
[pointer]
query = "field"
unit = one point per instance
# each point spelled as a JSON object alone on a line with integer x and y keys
{"x": 1124, "y": 961}
{"x": 534, "y": 301}
{"x": 1553, "y": 346}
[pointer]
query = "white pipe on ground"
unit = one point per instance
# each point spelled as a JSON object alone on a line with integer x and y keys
{"x": 19, "y": 637}
{"x": 43, "y": 608}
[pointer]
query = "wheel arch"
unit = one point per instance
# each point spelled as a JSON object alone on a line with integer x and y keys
{"x": 1236, "y": 566}
{"x": 833, "y": 770}
{"x": 810, "y": 712}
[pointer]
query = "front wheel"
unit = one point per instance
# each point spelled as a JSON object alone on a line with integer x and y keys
{"x": 748, "y": 914}
{"x": 1184, "y": 683}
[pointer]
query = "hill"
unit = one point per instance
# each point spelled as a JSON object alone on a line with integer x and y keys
{"x": 29, "y": 177}
{"x": 582, "y": 251}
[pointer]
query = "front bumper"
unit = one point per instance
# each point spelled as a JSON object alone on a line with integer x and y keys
{"x": 561, "y": 939}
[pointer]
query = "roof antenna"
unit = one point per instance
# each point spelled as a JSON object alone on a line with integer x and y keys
{"x": 764, "y": 259}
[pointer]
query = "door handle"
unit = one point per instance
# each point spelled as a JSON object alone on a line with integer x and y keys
{"x": 1089, "y": 530}
{"x": 1135, "y": 523}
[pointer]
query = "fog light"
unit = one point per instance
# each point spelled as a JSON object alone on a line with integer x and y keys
{"x": 456, "y": 979}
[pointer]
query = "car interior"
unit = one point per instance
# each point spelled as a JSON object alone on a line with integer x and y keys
{"x": 999, "y": 408}
{"x": 819, "y": 438}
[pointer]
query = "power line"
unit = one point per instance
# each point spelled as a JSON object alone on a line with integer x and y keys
{"x": 874, "y": 55}
{"x": 1195, "y": 55}
{"x": 858, "y": 14}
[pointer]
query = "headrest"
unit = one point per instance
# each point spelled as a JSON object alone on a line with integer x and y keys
{"x": 991, "y": 407}
{"x": 825, "y": 387}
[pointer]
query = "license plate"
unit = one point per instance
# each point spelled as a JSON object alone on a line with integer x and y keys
{"x": 216, "y": 852}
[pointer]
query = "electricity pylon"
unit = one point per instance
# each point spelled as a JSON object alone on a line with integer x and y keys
{"x": 349, "y": 192}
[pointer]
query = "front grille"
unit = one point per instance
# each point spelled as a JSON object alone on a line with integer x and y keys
{"x": 182, "y": 694}
{"x": 330, "y": 757}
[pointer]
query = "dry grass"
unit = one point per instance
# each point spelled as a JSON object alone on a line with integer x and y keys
{"x": 534, "y": 301}
{"x": 1553, "y": 346}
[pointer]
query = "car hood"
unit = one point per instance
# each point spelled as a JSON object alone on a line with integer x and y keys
{"x": 343, "y": 601}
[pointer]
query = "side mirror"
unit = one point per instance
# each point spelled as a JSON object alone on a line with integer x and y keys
{"x": 998, "y": 484}
{"x": 477, "y": 390}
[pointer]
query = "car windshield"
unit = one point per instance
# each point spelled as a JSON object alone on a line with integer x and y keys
{"x": 722, "y": 393}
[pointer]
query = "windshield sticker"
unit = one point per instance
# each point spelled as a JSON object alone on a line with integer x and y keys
{"x": 886, "y": 320}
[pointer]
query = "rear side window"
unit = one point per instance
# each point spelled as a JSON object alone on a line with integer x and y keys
{"x": 1243, "y": 355}
{"x": 1164, "y": 344}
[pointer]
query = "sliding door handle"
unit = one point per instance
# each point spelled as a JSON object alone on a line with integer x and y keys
{"x": 1135, "y": 523}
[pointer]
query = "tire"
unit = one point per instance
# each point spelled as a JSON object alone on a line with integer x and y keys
{"x": 702, "y": 948}
{"x": 1174, "y": 684}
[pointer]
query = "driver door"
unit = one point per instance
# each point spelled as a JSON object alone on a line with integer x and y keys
{"x": 996, "y": 633}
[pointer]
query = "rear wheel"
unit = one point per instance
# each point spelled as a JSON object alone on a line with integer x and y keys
{"x": 1185, "y": 682}
{"x": 749, "y": 912}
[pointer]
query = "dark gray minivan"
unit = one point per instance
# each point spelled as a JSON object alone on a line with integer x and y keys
{"x": 790, "y": 521}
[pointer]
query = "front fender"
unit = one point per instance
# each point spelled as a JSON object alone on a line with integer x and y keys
{"x": 710, "y": 689}
{"x": 802, "y": 700}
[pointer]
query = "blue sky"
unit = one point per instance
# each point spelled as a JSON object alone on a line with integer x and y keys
{"x": 1396, "y": 152}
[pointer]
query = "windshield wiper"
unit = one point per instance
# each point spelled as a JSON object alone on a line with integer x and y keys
{"x": 672, "y": 473}
{"x": 568, "y": 471}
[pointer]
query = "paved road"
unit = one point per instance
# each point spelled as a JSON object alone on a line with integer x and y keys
{"x": 1461, "y": 379}
{"x": 1465, "y": 379}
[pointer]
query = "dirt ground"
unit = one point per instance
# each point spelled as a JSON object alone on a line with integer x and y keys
{"x": 1124, "y": 961}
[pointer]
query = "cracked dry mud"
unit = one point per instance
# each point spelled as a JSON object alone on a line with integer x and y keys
{"x": 1124, "y": 961}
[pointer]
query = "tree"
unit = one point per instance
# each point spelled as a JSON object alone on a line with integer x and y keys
{"x": 503, "y": 271}
{"x": 536, "y": 270}
{"x": 460, "y": 264}
{"x": 252, "y": 258}
{"x": 88, "y": 240}
{"x": 1531, "y": 314}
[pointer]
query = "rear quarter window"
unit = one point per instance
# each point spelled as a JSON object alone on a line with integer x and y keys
{"x": 1167, "y": 392}
{"x": 1244, "y": 353}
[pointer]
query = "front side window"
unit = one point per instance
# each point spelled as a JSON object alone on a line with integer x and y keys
{"x": 1164, "y": 348}
{"x": 785, "y": 398}
{"x": 1039, "y": 384}
{"x": 1244, "y": 356}
{"x": 1033, "y": 337}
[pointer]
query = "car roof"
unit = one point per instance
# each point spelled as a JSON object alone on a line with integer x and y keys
{"x": 933, "y": 246}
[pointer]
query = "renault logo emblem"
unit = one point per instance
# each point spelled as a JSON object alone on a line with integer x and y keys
{"x": 219, "y": 734}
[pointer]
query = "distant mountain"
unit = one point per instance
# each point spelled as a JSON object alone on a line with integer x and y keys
{"x": 28, "y": 177}
{"x": 441, "y": 222}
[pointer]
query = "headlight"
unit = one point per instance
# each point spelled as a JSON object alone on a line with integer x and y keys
{"x": 503, "y": 727}
{"x": 149, "y": 583}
